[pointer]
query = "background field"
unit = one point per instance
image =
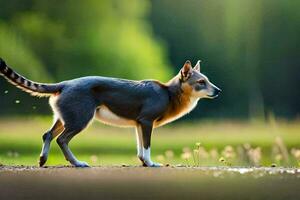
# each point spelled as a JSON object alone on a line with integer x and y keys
{"x": 274, "y": 142}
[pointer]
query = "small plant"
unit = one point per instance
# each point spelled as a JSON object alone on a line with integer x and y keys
{"x": 273, "y": 165}
{"x": 242, "y": 154}
{"x": 225, "y": 162}
{"x": 199, "y": 153}
{"x": 196, "y": 155}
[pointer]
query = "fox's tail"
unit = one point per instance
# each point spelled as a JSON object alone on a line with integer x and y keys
{"x": 34, "y": 88}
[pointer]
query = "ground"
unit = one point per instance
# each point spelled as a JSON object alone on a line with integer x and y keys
{"x": 149, "y": 183}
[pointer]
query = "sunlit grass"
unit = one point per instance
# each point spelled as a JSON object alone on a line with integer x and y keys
{"x": 203, "y": 142}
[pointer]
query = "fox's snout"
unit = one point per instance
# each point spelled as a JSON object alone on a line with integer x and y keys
{"x": 214, "y": 92}
{"x": 217, "y": 92}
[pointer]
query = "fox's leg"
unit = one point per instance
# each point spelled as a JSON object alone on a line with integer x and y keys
{"x": 147, "y": 127}
{"x": 139, "y": 143}
{"x": 63, "y": 141}
{"x": 75, "y": 122}
{"x": 56, "y": 129}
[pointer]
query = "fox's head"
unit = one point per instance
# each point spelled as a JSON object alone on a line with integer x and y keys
{"x": 197, "y": 83}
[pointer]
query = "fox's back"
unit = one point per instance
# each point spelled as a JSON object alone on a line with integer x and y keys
{"x": 125, "y": 98}
{"x": 129, "y": 98}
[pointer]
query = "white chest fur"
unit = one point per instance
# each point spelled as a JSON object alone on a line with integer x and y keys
{"x": 106, "y": 116}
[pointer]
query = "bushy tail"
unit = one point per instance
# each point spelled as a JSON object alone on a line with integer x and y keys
{"x": 34, "y": 88}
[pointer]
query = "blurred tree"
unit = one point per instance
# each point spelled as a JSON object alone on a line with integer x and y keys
{"x": 109, "y": 38}
{"x": 249, "y": 48}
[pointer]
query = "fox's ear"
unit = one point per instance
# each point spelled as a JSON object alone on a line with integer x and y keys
{"x": 186, "y": 70}
{"x": 197, "y": 66}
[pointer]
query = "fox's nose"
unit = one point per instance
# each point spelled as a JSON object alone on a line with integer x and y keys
{"x": 217, "y": 91}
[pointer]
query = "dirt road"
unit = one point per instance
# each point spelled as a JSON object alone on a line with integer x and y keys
{"x": 22, "y": 182}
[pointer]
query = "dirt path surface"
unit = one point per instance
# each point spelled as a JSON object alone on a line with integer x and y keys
{"x": 26, "y": 182}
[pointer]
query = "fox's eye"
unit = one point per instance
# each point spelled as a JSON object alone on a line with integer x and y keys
{"x": 201, "y": 82}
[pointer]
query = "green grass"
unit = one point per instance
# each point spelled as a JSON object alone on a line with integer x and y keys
{"x": 20, "y": 142}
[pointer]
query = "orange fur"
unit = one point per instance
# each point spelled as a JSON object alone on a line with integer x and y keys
{"x": 180, "y": 105}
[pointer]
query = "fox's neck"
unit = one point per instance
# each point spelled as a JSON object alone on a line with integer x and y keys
{"x": 180, "y": 95}
{"x": 181, "y": 102}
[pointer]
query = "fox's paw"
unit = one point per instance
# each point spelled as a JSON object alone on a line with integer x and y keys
{"x": 81, "y": 164}
{"x": 156, "y": 165}
{"x": 151, "y": 164}
{"x": 42, "y": 161}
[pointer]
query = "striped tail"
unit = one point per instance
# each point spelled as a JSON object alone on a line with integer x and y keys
{"x": 34, "y": 88}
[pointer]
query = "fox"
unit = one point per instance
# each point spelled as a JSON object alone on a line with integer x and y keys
{"x": 143, "y": 105}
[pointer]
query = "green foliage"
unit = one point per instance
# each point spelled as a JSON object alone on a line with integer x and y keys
{"x": 17, "y": 53}
{"x": 109, "y": 38}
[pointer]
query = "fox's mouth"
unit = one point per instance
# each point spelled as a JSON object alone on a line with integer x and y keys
{"x": 213, "y": 96}
{"x": 216, "y": 93}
